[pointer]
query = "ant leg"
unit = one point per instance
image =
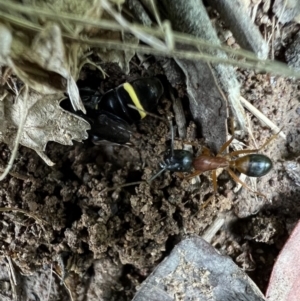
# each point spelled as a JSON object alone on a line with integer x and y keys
{"x": 224, "y": 146}
{"x": 249, "y": 151}
{"x": 227, "y": 143}
{"x": 193, "y": 175}
{"x": 237, "y": 180}
{"x": 204, "y": 205}
{"x": 206, "y": 151}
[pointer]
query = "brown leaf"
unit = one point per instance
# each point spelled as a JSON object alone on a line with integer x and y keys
{"x": 40, "y": 63}
{"x": 45, "y": 121}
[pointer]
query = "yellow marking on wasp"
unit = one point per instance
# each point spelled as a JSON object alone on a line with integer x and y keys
{"x": 134, "y": 99}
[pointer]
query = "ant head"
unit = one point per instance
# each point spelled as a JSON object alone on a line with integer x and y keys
{"x": 177, "y": 160}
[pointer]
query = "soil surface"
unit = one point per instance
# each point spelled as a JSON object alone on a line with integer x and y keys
{"x": 104, "y": 244}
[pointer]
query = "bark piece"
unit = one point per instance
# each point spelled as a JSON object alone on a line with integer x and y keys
{"x": 191, "y": 17}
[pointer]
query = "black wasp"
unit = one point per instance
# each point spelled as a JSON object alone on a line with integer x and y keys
{"x": 109, "y": 114}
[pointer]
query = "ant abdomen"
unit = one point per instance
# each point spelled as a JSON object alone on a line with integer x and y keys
{"x": 253, "y": 165}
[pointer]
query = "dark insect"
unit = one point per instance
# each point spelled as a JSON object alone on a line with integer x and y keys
{"x": 110, "y": 115}
{"x": 252, "y": 165}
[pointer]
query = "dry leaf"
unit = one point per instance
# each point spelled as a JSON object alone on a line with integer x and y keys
{"x": 45, "y": 121}
{"x": 40, "y": 63}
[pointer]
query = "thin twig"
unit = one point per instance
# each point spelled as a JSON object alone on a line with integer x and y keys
{"x": 12, "y": 270}
{"x": 148, "y": 39}
{"x": 254, "y": 63}
{"x": 50, "y": 283}
{"x": 254, "y": 11}
{"x": 149, "y": 113}
{"x": 262, "y": 117}
{"x": 65, "y": 285}
{"x": 216, "y": 225}
{"x": 12, "y": 278}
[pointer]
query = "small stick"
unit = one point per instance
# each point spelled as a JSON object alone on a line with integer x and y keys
{"x": 211, "y": 231}
{"x": 50, "y": 283}
{"x": 65, "y": 285}
{"x": 12, "y": 278}
{"x": 12, "y": 270}
{"x": 262, "y": 117}
{"x": 148, "y": 113}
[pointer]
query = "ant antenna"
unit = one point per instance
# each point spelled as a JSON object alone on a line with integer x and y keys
{"x": 156, "y": 175}
{"x": 147, "y": 113}
{"x": 164, "y": 168}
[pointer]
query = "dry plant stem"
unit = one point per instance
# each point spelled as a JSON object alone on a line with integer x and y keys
{"x": 12, "y": 278}
{"x": 12, "y": 270}
{"x": 149, "y": 113}
{"x": 267, "y": 66}
{"x": 282, "y": 11}
{"x": 262, "y": 117}
{"x": 65, "y": 285}
{"x": 155, "y": 11}
{"x": 148, "y": 39}
{"x": 273, "y": 38}
{"x": 39, "y": 220}
{"x": 110, "y": 25}
{"x": 264, "y": 66}
{"x": 18, "y": 137}
{"x": 45, "y": 158}
{"x": 50, "y": 283}
{"x": 254, "y": 11}
{"x": 216, "y": 225}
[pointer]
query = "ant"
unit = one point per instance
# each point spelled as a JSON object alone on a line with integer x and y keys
{"x": 252, "y": 165}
